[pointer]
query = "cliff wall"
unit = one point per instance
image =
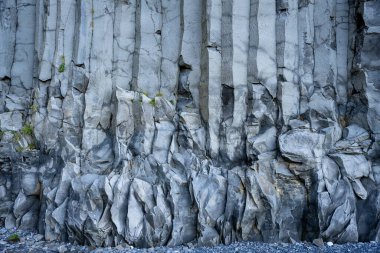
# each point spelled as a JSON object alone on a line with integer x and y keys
{"x": 154, "y": 122}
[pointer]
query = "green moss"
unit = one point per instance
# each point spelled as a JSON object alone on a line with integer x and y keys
{"x": 32, "y": 146}
{"x": 171, "y": 101}
{"x": 34, "y": 108}
{"x": 1, "y": 134}
{"x": 16, "y": 136}
{"x": 27, "y": 129}
{"x": 61, "y": 67}
{"x": 145, "y": 93}
{"x": 13, "y": 238}
{"x": 152, "y": 102}
{"x": 159, "y": 94}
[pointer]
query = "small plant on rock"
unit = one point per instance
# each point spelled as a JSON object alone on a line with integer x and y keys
{"x": 61, "y": 67}
{"x": 32, "y": 146}
{"x": 13, "y": 238}
{"x": 27, "y": 130}
{"x": 34, "y": 108}
{"x": 152, "y": 102}
{"x": 16, "y": 136}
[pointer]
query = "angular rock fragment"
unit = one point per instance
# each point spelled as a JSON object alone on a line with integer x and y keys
{"x": 302, "y": 145}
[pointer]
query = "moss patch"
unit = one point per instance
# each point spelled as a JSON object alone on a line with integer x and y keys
{"x": 27, "y": 129}
{"x": 13, "y": 238}
{"x": 152, "y": 102}
{"x": 61, "y": 67}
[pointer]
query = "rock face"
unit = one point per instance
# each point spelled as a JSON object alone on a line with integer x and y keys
{"x": 167, "y": 122}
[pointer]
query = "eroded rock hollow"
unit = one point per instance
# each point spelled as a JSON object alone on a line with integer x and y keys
{"x": 154, "y": 123}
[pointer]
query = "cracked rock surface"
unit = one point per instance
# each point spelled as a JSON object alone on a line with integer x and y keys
{"x": 162, "y": 123}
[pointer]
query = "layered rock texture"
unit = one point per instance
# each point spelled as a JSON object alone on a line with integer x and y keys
{"x": 154, "y": 123}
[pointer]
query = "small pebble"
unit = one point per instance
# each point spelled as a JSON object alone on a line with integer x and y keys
{"x": 31, "y": 245}
{"x": 62, "y": 249}
{"x": 38, "y": 237}
{"x": 318, "y": 242}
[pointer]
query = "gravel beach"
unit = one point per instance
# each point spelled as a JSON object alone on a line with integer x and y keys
{"x": 34, "y": 243}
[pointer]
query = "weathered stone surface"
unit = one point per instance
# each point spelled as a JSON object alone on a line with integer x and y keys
{"x": 8, "y": 34}
{"x": 11, "y": 121}
{"x": 153, "y": 123}
{"x": 302, "y": 145}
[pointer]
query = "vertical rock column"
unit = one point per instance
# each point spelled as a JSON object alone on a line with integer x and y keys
{"x": 72, "y": 67}
{"x": 211, "y": 73}
{"x": 191, "y": 45}
{"x": 83, "y": 33}
{"x": 287, "y": 58}
{"x": 8, "y": 21}
{"x": 96, "y": 144}
{"x": 147, "y": 62}
{"x": 124, "y": 43}
{"x": 17, "y": 26}
{"x": 171, "y": 36}
{"x": 266, "y": 44}
{"x": 124, "y": 124}
{"x": 63, "y": 113}
{"x": 325, "y": 46}
{"x": 22, "y": 67}
{"x": 123, "y": 52}
{"x": 305, "y": 52}
{"x": 370, "y": 62}
{"x": 46, "y": 62}
{"x": 342, "y": 40}
{"x": 235, "y": 139}
{"x": 262, "y": 76}
{"x": 322, "y": 105}
{"x": 71, "y": 84}
{"x": 8, "y": 36}
{"x": 53, "y": 70}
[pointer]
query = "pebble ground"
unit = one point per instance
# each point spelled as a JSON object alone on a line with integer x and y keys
{"x": 34, "y": 243}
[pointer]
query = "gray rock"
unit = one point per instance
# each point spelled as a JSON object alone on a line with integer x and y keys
{"x": 353, "y": 166}
{"x": 11, "y": 121}
{"x": 262, "y": 143}
{"x": 62, "y": 249}
{"x": 8, "y": 33}
{"x": 318, "y": 242}
{"x": 302, "y": 145}
{"x": 163, "y": 123}
{"x": 38, "y": 237}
